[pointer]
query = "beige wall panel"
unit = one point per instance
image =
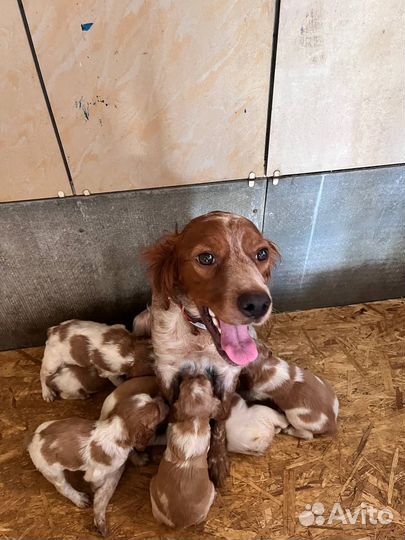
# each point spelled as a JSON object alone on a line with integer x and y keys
{"x": 30, "y": 163}
{"x": 157, "y": 93}
{"x": 339, "y": 96}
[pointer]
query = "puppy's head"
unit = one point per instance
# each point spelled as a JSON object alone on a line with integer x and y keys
{"x": 250, "y": 430}
{"x": 196, "y": 399}
{"x": 142, "y": 414}
{"x": 221, "y": 263}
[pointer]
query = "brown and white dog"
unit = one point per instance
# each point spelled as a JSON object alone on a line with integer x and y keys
{"x": 209, "y": 284}
{"x": 181, "y": 493}
{"x": 100, "y": 449}
{"x": 308, "y": 401}
{"x": 96, "y": 350}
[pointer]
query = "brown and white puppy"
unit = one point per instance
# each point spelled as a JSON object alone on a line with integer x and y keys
{"x": 100, "y": 449}
{"x": 108, "y": 351}
{"x": 132, "y": 387}
{"x": 126, "y": 390}
{"x": 308, "y": 401}
{"x": 209, "y": 284}
{"x": 181, "y": 493}
{"x": 75, "y": 382}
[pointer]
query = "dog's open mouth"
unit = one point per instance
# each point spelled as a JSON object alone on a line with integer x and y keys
{"x": 233, "y": 341}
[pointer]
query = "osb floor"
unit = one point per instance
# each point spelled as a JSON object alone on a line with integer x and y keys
{"x": 359, "y": 348}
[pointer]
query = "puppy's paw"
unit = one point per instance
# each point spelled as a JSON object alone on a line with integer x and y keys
{"x": 101, "y": 525}
{"x": 280, "y": 421}
{"x": 48, "y": 394}
{"x": 139, "y": 459}
{"x": 83, "y": 500}
{"x": 299, "y": 433}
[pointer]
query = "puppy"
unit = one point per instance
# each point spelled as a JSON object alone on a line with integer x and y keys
{"x": 100, "y": 449}
{"x": 250, "y": 430}
{"x": 132, "y": 387}
{"x": 107, "y": 351}
{"x": 75, "y": 382}
{"x": 308, "y": 401}
{"x": 126, "y": 390}
{"x": 181, "y": 493}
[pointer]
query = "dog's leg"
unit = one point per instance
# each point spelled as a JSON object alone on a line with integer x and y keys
{"x": 45, "y": 376}
{"x": 218, "y": 460}
{"x": 102, "y": 497}
{"x": 57, "y": 478}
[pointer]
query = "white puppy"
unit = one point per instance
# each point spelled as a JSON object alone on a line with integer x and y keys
{"x": 250, "y": 430}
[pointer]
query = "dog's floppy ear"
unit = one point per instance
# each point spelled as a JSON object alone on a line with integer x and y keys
{"x": 161, "y": 260}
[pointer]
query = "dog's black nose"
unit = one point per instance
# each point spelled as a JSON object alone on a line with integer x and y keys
{"x": 254, "y": 305}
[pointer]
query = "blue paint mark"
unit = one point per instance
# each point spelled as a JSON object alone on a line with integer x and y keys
{"x": 86, "y": 26}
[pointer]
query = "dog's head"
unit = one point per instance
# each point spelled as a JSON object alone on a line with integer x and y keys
{"x": 221, "y": 263}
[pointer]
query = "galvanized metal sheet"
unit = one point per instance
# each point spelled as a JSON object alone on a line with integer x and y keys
{"x": 80, "y": 257}
{"x": 341, "y": 236}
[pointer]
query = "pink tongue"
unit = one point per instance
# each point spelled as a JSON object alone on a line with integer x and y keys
{"x": 238, "y": 344}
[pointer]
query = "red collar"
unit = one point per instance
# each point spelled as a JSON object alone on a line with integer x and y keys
{"x": 195, "y": 321}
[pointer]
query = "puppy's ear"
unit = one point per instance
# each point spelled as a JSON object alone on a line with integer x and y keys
{"x": 143, "y": 438}
{"x": 162, "y": 409}
{"x": 153, "y": 414}
{"x": 161, "y": 260}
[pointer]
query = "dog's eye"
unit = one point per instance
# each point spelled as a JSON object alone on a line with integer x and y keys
{"x": 206, "y": 259}
{"x": 262, "y": 254}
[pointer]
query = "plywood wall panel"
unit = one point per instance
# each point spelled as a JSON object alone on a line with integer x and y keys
{"x": 339, "y": 94}
{"x": 157, "y": 93}
{"x": 30, "y": 163}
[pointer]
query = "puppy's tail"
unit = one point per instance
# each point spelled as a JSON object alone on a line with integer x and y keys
{"x": 28, "y": 436}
